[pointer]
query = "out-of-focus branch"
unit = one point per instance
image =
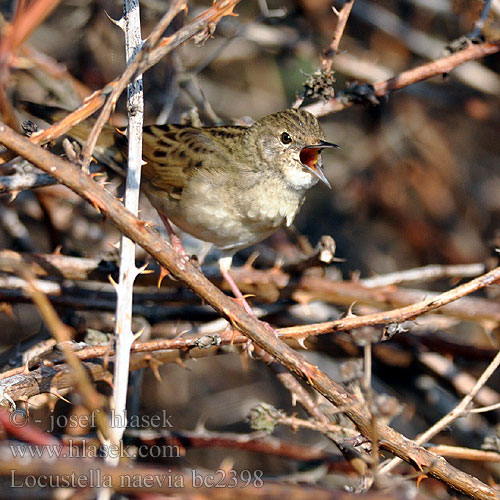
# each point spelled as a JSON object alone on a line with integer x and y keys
{"x": 170, "y": 481}
{"x": 93, "y": 400}
{"x": 27, "y": 17}
{"x": 164, "y": 46}
{"x": 342, "y": 17}
{"x": 307, "y": 288}
{"x": 136, "y": 64}
{"x": 457, "y": 412}
{"x": 424, "y": 45}
{"x": 418, "y": 74}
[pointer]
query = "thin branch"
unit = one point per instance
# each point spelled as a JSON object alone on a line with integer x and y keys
{"x": 329, "y": 56}
{"x": 128, "y": 272}
{"x": 92, "y": 399}
{"x": 461, "y": 453}
{"x": 479, "y": 24}
{"x": 20, "y": 182}
{"x": 418, "y": 74}
{"x": 136, "y": 64}
{"x": 424, "y": 45}
{"x": 457, "y": 412}
{"x": 426, "y": 273}
{"x": 342, "y": 17}
{"x": 165, "y": 46}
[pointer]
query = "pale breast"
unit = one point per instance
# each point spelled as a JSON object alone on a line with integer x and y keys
{"x": 228, "y": 215}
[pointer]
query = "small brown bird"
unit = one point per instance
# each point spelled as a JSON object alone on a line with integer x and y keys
{"x": 233, "y": 186}
{"x": 230, "y": 186}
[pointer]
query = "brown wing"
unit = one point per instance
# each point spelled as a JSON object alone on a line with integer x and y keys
{"x": 173, "y": 152}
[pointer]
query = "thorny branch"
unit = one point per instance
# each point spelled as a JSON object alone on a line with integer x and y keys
{"x": 140, "y": 65}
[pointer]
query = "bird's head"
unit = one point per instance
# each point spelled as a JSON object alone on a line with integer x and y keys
{"x": 290, "y": 142}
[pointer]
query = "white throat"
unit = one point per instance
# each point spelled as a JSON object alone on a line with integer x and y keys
{"x": 299, "y": 178}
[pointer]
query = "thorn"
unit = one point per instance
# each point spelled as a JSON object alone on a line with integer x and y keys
{"x": 6, "y": 308}
{"x": 335, "y": 11}
{"x": 243, "y": 298}
{"x": 235, "y": 332}
{"x": 420, "y": 478}
{"x": 163, "y": 273}
{"x": 144, "y": 269}
{"x": 117, "y": 22}
{"x": 154, "y": 364}
{"x": 249, "y": 349}
{"x": 113, "y": 282}
{"x": 301, "y": 342}
{"x": 26, "y": 369}
{"x": 62, "y": 398}
{"x": 251, "y": 260}
{"x": 11, "y": 401}
{"x": 138, "y": 334}
{"x": 13, "y": 195}
{"x": 57, "y": 250}
{"x": 350, "y": 314}
{"x": 200, "y": 425}
{"x": 95, "y": 205}
{"x": 226, "y": 464}
{"x": 278, "y": 263}
{"x": 182, "y": 364}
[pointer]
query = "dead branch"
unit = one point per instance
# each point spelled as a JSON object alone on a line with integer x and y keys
{"x": 306, "y": 288}
{"x": 418, "y": 74}
{"x": 165, "y": 46}
{"x": 342, "y": 17}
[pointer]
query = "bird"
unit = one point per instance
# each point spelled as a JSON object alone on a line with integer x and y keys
{"x": 229, "y": 186}
{"x": 233, "y": 186}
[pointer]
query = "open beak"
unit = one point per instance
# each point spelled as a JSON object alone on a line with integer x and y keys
{"x": 310, "y": 156}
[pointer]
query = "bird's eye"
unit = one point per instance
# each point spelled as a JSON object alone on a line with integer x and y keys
{"x": 285, "y": 138}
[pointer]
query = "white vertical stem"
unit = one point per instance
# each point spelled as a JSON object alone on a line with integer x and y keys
{"x": 128, "y": 271}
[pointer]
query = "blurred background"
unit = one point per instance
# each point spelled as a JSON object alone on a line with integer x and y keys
{"x": 416, "y": 181}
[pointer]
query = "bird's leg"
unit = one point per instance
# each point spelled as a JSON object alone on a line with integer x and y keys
{"x": 174, "y": 239}
{"x": 224, "y": 265}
